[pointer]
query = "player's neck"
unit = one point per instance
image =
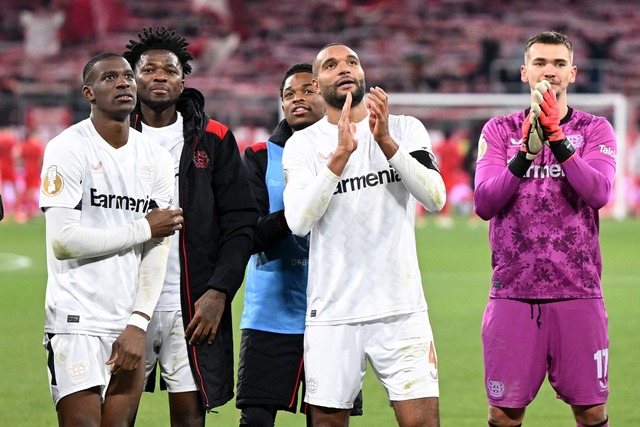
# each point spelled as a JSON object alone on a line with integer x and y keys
{"x": 114, "y": 132}
{"x": 158, "y": 119}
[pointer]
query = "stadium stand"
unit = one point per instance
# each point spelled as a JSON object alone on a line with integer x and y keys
{"x": 242, "y": 46}
{"x": 439, "y": 46}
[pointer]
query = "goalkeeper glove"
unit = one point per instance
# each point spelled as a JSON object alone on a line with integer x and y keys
{"x": 532, "y": 140}
{"x": 532, "y": 133}
{"x": 550, "y": 111}
{"x": 549, "y": 120}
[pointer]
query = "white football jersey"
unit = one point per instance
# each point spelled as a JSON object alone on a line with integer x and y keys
{"x": 170, "y": 138}
{"x": 362, "y": 259}
{"x": 112, "y": 187}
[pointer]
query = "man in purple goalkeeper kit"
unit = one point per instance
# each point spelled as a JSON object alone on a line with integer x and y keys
{"x": 542, "y": 175}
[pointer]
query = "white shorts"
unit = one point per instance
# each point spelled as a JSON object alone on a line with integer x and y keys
{"x": 77, "y": 362}
{"x": 400, "y": 349}
{"x": 166, "y": 346}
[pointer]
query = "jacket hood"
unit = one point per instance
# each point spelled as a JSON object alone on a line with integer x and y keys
{"x": 281, "y": 133}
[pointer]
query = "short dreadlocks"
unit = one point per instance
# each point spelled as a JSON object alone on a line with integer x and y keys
{"x": 160, "y": 38}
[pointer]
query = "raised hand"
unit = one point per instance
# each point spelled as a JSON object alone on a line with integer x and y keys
{"x": 347, "y": 141}
{"x": 550, "y": 112}
{"x": 378, "y": 105}
{"x": 532, "y": 135}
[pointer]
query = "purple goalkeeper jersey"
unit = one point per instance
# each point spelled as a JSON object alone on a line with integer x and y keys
{"x": 543, "y": 229}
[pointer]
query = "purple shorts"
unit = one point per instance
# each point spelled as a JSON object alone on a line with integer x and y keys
{"x": 525, "y": 340}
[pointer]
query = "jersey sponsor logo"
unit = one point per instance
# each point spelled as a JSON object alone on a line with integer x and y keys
{"x": 545, "y": 171}
{"x": 201, "y": 159}
{"x": 113, "y": 201}
{"x": 52, "y": 182}
{"x": 607, "y": 150}
{"x": 369, "y": 180}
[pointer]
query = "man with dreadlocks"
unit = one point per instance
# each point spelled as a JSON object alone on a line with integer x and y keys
{"x": 207, "y": 261}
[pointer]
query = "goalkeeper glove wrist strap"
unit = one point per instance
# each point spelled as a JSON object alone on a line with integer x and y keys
{"x": 519, "y": 164}
{"x": 563, "y": 150}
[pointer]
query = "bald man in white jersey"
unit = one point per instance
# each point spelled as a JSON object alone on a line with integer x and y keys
{"x": 106, "y": 250}
{"x": 353, "y": 179}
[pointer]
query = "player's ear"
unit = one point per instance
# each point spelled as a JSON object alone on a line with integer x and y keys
{"x": 523, "y": 74}
{"x": 316, "y": 87}
{"x": 87, "y": 93}
{"x": 574, "y": 72}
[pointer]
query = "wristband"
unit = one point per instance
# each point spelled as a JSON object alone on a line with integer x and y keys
{"x": 139, "y": 321}
{"x": 563, "y": 150}
{"x": 519, "y": 164}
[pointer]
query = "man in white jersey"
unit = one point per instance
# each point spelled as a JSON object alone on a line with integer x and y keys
{"x": 106, "y": 250}
{"x": 352, "y": 181}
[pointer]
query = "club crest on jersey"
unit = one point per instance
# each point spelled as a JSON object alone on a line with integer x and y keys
{"x": 201, "y": 159}
{"x": 147, "y": 173}
{"x": 576, "y": 140}
{"x": 52, "y": 182}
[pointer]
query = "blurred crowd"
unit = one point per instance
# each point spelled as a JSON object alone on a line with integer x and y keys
{"x": 241, "y": 47}
{"x": 20, "y": 164}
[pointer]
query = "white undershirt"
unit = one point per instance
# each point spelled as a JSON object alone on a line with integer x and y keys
{"x": 171, "y": 138}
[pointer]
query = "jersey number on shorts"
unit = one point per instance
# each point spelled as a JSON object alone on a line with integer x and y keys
{"x": 602, "y": 364}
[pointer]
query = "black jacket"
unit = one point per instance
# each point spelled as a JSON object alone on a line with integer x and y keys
{"x": 272, "y": 227}
{"x": 215, "y": 242}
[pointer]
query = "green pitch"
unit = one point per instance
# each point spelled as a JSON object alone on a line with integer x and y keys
{"x": 456, "y": 276}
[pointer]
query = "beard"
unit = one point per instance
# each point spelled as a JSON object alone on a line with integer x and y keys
{"x": 331, "y": 96}
{"x": 159, "y": 106}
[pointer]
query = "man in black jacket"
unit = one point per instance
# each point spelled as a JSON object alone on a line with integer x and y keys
{"x": 207, "y": 262}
